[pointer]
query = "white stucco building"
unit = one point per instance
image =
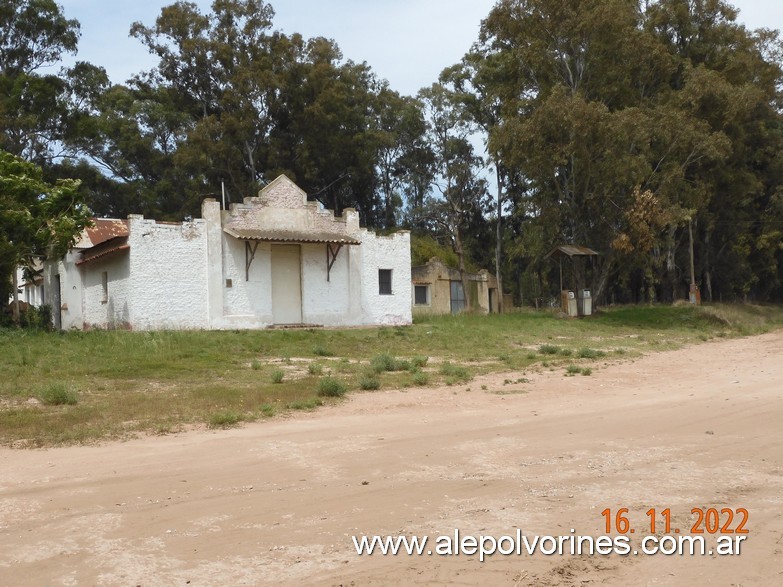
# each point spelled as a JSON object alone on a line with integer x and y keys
{"x": 276, "y": 259}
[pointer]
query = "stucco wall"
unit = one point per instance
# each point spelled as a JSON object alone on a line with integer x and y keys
{"x": 115, "y": 311}
{"x": 386, "y": 252}
{"x": 168, "y": 274}
{"x": 328, "y": 302}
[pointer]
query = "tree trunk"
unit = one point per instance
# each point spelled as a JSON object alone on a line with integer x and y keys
{"x": 707, "y": 266}
{"x": 15, "y": 308}
{"x": 599, "y": 289}
{"x": 671, "y": 267}
{"x": 499, "y": 237}
{"x": 461, "y": 266}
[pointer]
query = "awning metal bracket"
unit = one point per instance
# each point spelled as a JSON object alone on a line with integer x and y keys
{"x": 331, "y": 256}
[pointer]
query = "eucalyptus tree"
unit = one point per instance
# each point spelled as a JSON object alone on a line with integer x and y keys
{"x": 601, "y": 100}
{"x": 461, "y": 196}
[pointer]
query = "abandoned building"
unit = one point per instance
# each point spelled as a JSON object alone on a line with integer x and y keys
{"x": 437, "y": 289}
{"x": 276, "y": 259}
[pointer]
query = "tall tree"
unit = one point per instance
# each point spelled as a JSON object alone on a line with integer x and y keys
{"x": 463, "y": 195}
{"x": 34, "y": 35}
{"x": 37, "y": 219}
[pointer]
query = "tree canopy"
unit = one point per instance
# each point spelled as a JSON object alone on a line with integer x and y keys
{"x": 621, "y": 125}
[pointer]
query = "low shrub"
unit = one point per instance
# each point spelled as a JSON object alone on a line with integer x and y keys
{"x": 548, "y": 349}
{"x": 277, "y": 376}
{"x": 330, "y": 387}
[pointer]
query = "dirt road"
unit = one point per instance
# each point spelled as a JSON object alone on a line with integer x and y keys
{"x": 278, "y": 501}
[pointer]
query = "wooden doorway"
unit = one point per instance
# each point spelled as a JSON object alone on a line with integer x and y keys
{"x": 286, "y": 284}
{"x": 57, "y": 304}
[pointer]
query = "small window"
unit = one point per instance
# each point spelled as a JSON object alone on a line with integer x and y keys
{"x": 229, "y": 283}
{"x": 421, "y": 295}
{"x": 385, "y": 282}
{"x": 105, "y": 286}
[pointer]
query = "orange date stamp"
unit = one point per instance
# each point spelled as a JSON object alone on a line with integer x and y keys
{"x": 707, "y": 521}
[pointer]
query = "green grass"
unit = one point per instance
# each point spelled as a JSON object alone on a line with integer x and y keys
{"x": 132, "y": 383}
{"x": 277, "y": 376}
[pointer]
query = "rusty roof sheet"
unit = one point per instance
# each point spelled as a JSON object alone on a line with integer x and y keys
{"x": 290, "y": 236}
{"x": 88, "y": 256}
{"x": 572, "y": 251}
{"x": 102, "y": 230}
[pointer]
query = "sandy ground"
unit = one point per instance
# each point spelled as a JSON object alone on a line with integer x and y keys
{"x": 278, "y": 501}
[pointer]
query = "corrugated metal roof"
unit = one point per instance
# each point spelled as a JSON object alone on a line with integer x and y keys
{"x": 290, "y": 236}
{"x": 103, "y": 229}
{"x": 572, "y": 251}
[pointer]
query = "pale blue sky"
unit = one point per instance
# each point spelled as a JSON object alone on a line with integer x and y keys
{"x": 407, "y": 42}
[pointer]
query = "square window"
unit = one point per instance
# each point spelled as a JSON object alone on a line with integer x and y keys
{"x": 421, "y": 295}
{"x": 385, "y": 282}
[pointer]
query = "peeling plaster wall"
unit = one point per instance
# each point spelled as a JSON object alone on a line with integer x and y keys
{"x": 168, "y": 274}
{"x": 115, "y": 311}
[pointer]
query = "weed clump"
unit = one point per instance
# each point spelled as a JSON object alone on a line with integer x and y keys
{"x": 315, "y": 368}
{"x": 306, "y": 404}
{"x": 277, "y": 376}
{"x": 548, "y": 349}
{"x": 386, "y": 362}
{"x": 57, "y": 394}
{"x": 587, "y": 353}
{"x": 421, "y": 378}
{"x": 321, "y": 351}
{"x": 330, "y": 387}
{"x": 369, "y": 382}
{"x": 419, "y": 361}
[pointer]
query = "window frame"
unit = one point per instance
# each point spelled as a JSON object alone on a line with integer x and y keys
{"x": 384, "y": 284}
{"x": 104, "y": 287}
{"x": 426, "y": 287}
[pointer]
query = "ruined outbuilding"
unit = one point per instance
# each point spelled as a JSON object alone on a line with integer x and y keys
{"x": 437, "y": 289}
